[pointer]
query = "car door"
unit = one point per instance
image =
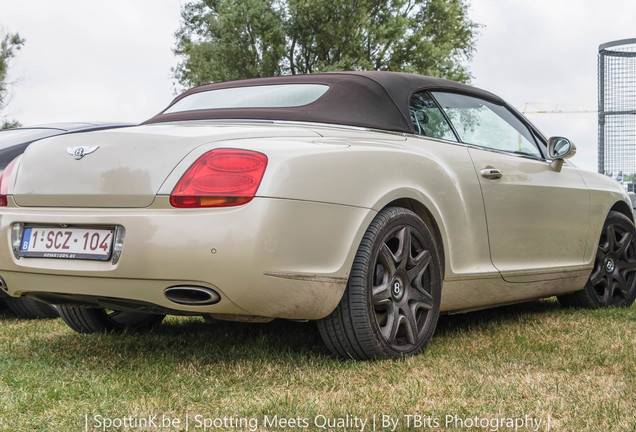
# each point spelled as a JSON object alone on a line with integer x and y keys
{"x": 537, "y": 216}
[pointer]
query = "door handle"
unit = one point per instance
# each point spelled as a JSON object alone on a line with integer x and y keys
{"x": 491, "y": 173}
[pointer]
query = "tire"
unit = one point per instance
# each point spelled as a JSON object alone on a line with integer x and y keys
{"x": 398, "y": 261}
{"x": 613, "y": 279}
{"x": 25, "y": 307}
{"x": 85, "y": 320}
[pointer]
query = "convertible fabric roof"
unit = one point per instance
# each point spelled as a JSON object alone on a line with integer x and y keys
{"x": 371, "y": 99}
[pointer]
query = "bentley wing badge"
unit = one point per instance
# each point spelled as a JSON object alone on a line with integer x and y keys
{"x": 81, "y": 151}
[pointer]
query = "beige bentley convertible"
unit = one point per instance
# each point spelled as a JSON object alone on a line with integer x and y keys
{"x": 370, "y": 202}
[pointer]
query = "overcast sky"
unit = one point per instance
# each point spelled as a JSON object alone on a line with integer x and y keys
{"x": 97, "y": 60}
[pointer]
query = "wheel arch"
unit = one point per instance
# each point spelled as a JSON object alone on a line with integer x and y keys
{"x": 622, "y": 207}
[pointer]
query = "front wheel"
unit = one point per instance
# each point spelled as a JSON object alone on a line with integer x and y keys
{"x": 391, "y": 304}
{"x": 84, "y": 320}
{"x": 613, "y": 279}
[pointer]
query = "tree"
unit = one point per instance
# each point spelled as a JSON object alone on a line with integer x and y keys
{"x": 9, "y": 44}
{"x": 221, "y": 40}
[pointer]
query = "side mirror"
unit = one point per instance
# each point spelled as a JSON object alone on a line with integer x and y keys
{"x": 559, "y": 149}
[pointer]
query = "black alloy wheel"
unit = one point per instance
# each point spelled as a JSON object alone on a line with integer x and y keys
{"x": 391, "y": 305}
{"x": 613, "y": 279}
{"x": 400, "y": 300}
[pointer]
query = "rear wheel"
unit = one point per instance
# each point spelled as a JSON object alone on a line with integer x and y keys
{"x": 25, "y": 307}
{"x": 84, "y": 320}
{"x": 613, "y": 279}
{"x": 391, "y": 304}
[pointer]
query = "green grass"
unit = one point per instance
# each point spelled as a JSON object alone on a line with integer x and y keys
{"x": 575, "y": 367}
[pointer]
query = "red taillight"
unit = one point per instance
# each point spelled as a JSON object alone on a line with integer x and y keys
{"x": 4, "y": 182}
{"x": 220, "y": 178}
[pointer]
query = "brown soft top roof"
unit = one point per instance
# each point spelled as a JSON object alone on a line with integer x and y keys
{"x": 372, "y": 99}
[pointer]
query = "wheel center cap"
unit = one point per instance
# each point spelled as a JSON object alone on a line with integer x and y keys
{"x": 397, "y": 290}
{"x": 609, "y": 265}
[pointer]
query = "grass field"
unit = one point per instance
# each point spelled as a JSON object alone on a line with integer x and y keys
{"x": 531, "y": 362}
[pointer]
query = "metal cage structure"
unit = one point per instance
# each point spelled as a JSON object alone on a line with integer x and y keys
{"x": 617, "y": 110}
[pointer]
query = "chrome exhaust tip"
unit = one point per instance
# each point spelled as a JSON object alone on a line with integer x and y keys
{"x": 190, "y": 295}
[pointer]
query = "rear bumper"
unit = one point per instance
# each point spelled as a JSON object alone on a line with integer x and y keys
{"x": 271, "y": 257}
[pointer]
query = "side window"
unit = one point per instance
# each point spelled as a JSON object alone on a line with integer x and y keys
{"x": 486, "y": 124}
{"x": 427, "y": 118}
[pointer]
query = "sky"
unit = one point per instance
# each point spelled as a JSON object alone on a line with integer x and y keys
{"x": 88, "y": 60}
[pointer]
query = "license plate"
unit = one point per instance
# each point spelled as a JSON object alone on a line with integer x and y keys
{"x": 67, "y": 243}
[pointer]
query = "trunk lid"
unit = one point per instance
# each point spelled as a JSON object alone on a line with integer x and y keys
{"x": 119, "y": 167}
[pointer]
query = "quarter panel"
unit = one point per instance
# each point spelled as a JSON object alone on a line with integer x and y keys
{"x": 363, "y": 169}
{"x": 369, "y": 173}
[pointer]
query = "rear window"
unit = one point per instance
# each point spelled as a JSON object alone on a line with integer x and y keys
{"x": 266, "y": 96}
